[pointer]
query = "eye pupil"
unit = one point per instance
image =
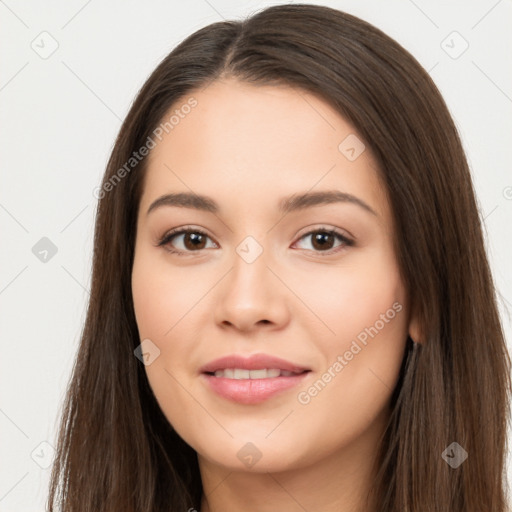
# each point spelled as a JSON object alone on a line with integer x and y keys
{"x": 195, "y": 238}
{"x": 320, "y": 238}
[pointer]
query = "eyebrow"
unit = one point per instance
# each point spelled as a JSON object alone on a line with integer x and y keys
{"x": 288, "y": 204}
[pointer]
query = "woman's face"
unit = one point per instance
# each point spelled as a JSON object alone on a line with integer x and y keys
{"x": 259, "y": 273}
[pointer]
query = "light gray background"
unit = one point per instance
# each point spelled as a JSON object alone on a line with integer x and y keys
{"x": 59, "y": 119}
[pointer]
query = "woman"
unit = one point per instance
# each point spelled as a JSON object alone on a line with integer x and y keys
{"x": 291, "y": 305}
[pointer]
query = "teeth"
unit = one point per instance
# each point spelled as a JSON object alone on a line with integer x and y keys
{"x": 258, "y": 374}
{"x": 239, "y": 373}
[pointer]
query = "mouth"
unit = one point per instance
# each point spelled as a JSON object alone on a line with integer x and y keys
{"x": 263, "y": 373}
{"x": 251, "y": 380}
{"x": 237, "y": 365}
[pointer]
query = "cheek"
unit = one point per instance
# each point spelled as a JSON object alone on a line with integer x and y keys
{"x": 352, "y": 296}
{"x": 170, "y": 306}
{"x": 161, "y": 297}
{"x": 363, "y": 359}
{"x": 363, "y": 307}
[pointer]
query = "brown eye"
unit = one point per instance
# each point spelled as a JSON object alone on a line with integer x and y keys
{"x": 194, "y": 240}
{"x": 185, "y": 240}
{"x": 324, "y": 240}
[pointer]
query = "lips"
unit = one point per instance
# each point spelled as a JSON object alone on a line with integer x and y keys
{"x": 251, "y": 380}
{"x": 254, "y": 362}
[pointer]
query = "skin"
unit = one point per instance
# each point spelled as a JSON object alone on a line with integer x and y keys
{"x": 247, "y": 147}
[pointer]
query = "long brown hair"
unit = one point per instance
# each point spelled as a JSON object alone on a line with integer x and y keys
{"x": 116, "y": 450}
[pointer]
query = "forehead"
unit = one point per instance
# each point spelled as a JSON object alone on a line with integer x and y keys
{"x": 252, "y": 145}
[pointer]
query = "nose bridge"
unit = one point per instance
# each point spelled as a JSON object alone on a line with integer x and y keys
{"x": 249, "y": 283}
{"x": 251, "y": 293}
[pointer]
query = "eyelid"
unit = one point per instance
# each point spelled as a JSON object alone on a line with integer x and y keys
{"x": 324, "y": 227}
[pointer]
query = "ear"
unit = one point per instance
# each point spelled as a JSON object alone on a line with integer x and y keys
{"x": 415, "y": 331}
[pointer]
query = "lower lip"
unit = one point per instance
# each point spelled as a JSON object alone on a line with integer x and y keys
{"x": 251, "y": 391}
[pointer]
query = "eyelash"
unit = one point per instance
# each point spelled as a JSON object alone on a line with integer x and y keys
{"x": 164, "y": 241}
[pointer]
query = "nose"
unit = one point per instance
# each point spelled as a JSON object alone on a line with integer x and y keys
{"x": 251, "y": 297}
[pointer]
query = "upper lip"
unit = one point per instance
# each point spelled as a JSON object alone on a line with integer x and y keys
{"x": 253, "y": 362}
